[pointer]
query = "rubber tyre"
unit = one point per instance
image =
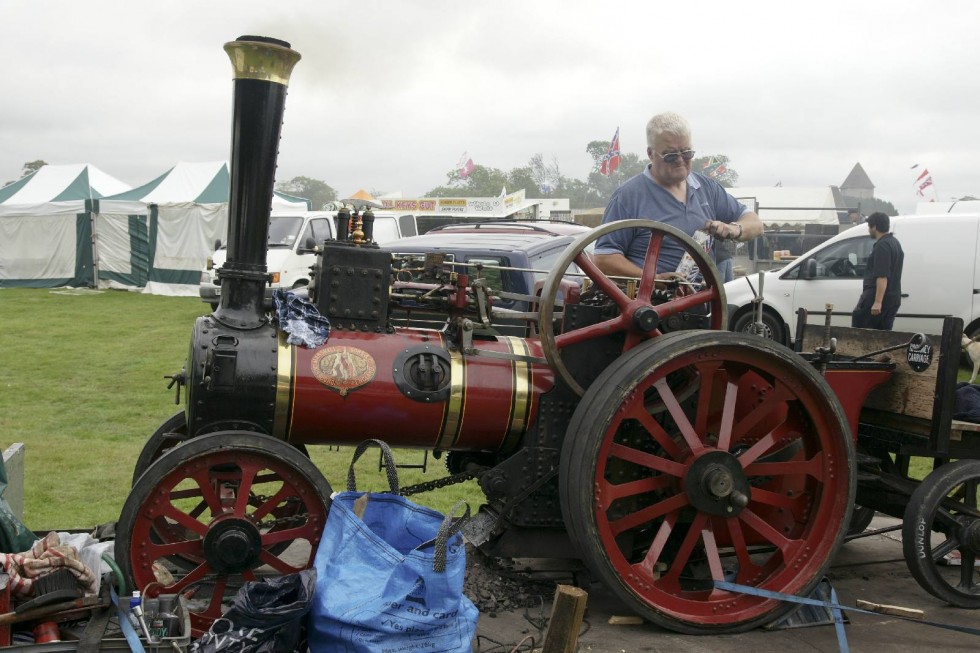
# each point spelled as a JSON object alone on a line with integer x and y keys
{"x": 861, "y": 518}
{"x": 923, "y": 517}
{"x": 773, "y": 327}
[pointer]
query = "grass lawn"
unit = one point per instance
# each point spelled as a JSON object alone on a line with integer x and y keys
{"x": 83, "y": 387}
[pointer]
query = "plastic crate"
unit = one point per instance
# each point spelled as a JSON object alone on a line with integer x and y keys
{"x": 165, "y": 645}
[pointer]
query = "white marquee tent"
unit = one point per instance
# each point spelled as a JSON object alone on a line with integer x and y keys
{"x": 790, "y": 205}
{"x": 46, "y": 233}
{"x": 159, "y": 235}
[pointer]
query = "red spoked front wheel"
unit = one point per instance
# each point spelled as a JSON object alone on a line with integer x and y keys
{"x": 235, "y": 505}
{"x": 707, "y": 456}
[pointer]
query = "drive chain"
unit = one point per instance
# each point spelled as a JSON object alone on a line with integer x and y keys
{"x": 446, "y": 481}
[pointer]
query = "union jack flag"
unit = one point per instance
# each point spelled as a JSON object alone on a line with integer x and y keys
{"x": 610, "y": 161}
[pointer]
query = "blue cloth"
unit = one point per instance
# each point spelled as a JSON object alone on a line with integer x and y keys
{"x": 966, "y": 405}
{"x": 299, "y": 318}
{"x": 642, "y": 197}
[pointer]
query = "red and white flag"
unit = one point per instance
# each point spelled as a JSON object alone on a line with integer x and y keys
{"x": 465, "y": 166}
{"x": 923, "y": 182}
{"x": 611, "y": 159}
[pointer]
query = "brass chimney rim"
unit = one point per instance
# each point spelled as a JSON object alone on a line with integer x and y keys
{"x": 261, "y": 58}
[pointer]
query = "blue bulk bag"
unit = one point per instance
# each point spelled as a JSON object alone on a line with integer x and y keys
{"x": 390, "y": 580}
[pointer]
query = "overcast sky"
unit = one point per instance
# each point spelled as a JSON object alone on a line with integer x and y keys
{"x": 389, "y": 94}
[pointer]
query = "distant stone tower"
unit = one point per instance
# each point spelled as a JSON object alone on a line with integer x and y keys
{"x": 857, "y": 190}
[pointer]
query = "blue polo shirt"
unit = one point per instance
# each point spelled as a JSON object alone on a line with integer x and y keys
{"x": 642, "y": 197}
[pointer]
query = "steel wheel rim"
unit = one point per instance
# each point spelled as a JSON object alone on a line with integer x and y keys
{"x": 816, "y": 473}
{"x": 171, "y": 433}
{"x": 552, "y": 344}
{"x": 229, "y": 543}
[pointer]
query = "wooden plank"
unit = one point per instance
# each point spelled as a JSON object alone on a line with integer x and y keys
{"x": 566, "y": 620}
{"x": 908, "y": 392}
{"x": 959, "y": 425}
{"x": 625, "y": 620}
{"x": 895, "y": 610}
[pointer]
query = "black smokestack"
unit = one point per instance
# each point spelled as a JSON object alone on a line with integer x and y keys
{"x": 262, "y": 67}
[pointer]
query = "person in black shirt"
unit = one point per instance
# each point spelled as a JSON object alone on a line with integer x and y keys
{"x": 882, "y": 291}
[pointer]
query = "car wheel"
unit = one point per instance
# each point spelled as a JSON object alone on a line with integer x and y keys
{"x": 772, "y": 326}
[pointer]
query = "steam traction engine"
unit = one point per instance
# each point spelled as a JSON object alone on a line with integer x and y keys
{"x": 668, "y": 460}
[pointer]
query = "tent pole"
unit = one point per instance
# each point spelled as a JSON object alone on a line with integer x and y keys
{"x": 92, "y": 206}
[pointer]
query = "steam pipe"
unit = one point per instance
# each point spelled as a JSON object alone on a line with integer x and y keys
{"x": 262, "y": 67}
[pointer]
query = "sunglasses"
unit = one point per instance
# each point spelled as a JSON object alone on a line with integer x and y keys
{"x": 674, "y": 157}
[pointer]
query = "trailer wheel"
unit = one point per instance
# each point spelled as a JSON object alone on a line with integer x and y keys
{"x": 861, "y": 518}
{"x": 639, "y": 319}
{"x": 239, "y": 504}
{"x": 749, "y": 480}
{"x": 941, "y": 533}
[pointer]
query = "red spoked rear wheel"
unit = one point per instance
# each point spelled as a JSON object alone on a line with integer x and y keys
{"x": 749, "y": 478}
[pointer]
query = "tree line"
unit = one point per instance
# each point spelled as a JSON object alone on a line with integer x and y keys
{"x": 538, "y": 178}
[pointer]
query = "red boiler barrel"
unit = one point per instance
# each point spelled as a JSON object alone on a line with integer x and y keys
{"x": 366, "y": 385}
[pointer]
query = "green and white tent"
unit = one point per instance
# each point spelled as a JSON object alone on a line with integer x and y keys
{"x": 47, "y": 227}
{"x": 158, "y": 236}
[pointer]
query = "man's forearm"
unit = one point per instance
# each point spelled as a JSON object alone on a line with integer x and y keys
{"x": 751, "y": 226}
{"x": 617, "y": 265}
{"x": 881, "y": 285}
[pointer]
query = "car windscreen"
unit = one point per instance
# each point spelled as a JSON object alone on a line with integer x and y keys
{"x": 283, "y": 230}
{"x": 385, "y": 230}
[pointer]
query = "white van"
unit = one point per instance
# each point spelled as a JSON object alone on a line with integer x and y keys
{"x": 289, "y": 258}
{"x": 940, "y": 277}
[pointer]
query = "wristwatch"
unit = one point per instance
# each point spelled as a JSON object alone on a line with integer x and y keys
{"x": 738, "y": 236}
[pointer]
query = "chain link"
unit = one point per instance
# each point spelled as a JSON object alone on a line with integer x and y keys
{"x": 446, "y": 481}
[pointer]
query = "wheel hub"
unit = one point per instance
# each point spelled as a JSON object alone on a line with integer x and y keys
{"x": 646, "y": 319}
{"x": 717, "y": 485}
{"x": 970, "y": 536}
{"x": 233, "y": 545}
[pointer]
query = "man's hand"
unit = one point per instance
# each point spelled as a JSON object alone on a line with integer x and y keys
{"x": 723, "y": 230}
{"x": 876, "y": 308}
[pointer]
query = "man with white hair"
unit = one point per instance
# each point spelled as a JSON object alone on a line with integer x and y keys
{"x": 668, "y": 191}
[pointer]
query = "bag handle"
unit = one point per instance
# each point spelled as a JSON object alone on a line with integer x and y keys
{"x": 391, "y": 469}
{"x": 450, "y": 526}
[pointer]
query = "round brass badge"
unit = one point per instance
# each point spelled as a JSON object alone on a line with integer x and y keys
{"x": 343, "y": 368}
